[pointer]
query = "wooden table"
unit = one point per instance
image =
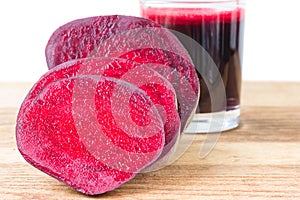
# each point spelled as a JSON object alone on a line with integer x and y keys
{"x": 258, "y": 160}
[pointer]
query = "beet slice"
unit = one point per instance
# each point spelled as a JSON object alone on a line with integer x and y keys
{"x": 69, "y": 131}
{"x": 86, "y": 37}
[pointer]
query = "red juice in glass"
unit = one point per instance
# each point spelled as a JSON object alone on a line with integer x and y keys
{"x": 218, "y": 26}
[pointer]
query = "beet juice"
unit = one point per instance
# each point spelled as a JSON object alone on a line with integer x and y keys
{"x": 219, "y": 32}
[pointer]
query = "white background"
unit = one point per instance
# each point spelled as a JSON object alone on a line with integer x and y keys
{"x": 271, "y": 48}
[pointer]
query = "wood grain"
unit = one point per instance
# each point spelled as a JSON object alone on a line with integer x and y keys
{"x": 258, "y": 160}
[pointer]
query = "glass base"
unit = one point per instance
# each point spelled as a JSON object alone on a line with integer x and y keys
{"x": 214, "y": 122}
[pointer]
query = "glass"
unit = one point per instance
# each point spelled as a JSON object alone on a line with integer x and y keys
{"x": 218, "y": 26}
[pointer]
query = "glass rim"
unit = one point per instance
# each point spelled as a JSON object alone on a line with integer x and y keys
{"x": 193, "y": 1}
{"x": 221, "y": 4}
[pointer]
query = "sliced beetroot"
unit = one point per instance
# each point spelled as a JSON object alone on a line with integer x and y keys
{"x": 69, "y": 131}
{"x": 105, "y": 36}
{"x": 157, "y": 88}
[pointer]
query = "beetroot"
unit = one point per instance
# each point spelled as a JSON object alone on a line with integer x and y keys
{"x": 119, "y": 91}
{"x": 69, "y": 131}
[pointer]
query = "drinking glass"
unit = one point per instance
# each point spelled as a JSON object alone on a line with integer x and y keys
{"x": 216, "y": 31}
